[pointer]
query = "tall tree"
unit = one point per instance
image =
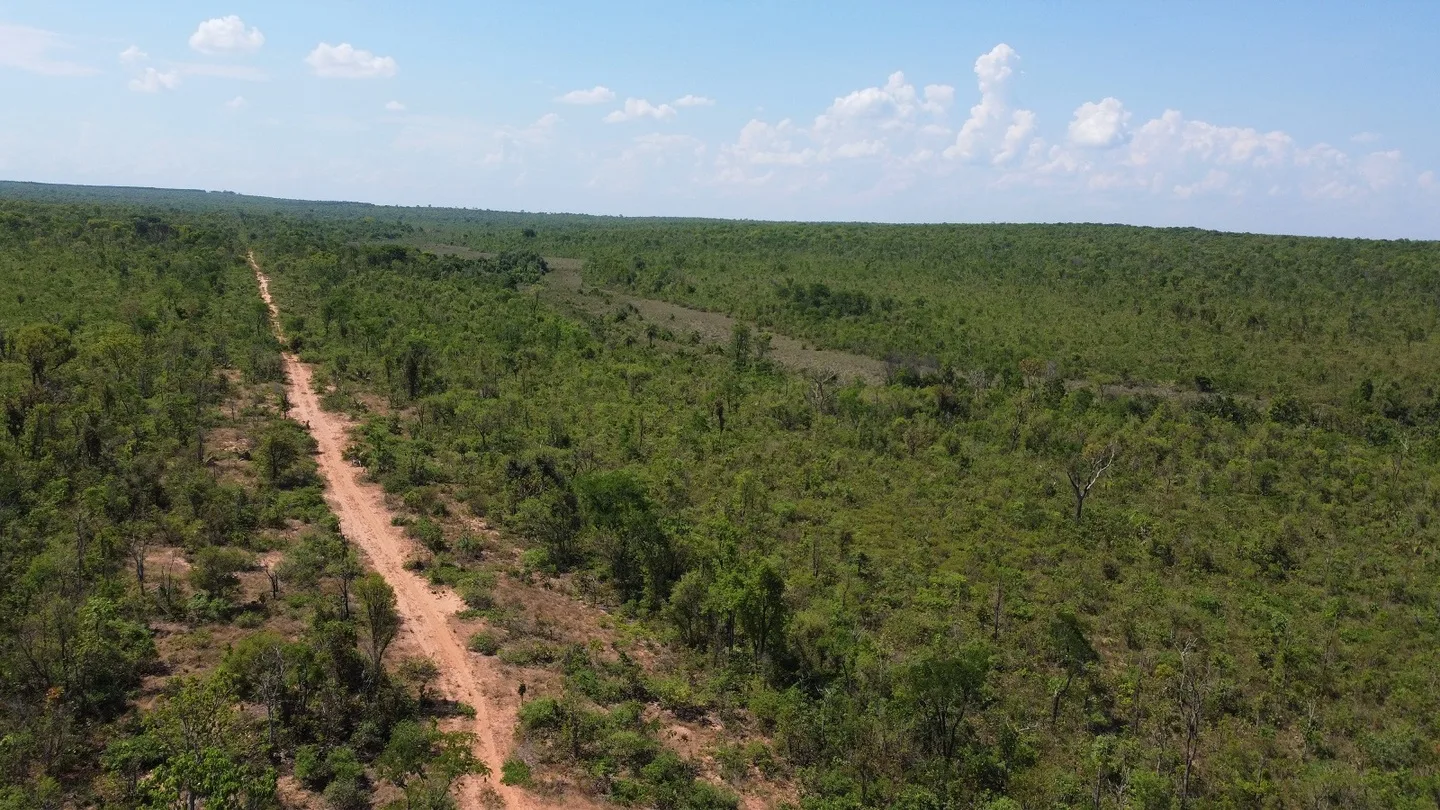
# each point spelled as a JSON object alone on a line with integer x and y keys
{"x": 378, "y": 617}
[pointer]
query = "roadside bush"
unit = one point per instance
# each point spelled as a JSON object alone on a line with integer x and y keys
{"x": 484, "y": 643}
{"x": 515, "y": 772}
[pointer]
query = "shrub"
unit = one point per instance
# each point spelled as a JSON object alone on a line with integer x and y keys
{"x": 347, "y": 794}
{"x": 484, "y": 643}
{"x": 428, "y": 533}
{"x": 515, "y": 772}
{"x": 540, "y": 713}
{"x": 536, "y": 559}
{"x": 214, "y": 570}
{"x": 311, "y": 768}
{"x": 524, "y": 655}
{"x": 632, "y": 748}
{"x": 732, "y": 761}
{"x": 477, "y": 592}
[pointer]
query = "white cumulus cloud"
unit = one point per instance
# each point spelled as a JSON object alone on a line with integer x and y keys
{"x": 394, "y": 106}
{"x": 226, "y": 35}
{"x": 640, "y": 108}
{"x": 765, "y": 144}
{"x": 153, "y": 81}
{"x": 133, "y": 55}
{"x": 1382, "y": 170}
{"x": 599, "y": 94}
{"x": 890, "y": 107}
{"x": 1017, "y": 137}
{"x": 236, "y": 103}
{"x": 345, "y": 61}
{"x": 993, "y": 128}
{"x": 691, "y": 100}
{"x": 1099, "y": 124}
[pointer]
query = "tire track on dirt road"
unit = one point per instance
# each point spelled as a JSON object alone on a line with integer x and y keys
{"x": 366, "y": 521}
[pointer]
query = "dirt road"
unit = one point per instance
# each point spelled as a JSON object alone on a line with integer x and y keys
{"x": 365, "y": 520}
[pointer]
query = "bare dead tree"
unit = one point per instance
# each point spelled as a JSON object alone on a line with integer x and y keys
{"x": 999, "y": 606}
{"x": 1191, "y": 694}
{"x": 272, "y": 574}
{"x": 139, "y": 547}
{"x": 1084, "y": 472}
{"x": 821, "y": 393}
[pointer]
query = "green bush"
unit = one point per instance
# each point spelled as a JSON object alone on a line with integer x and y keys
{"x": 540, "y": 713}
{"x": 530, "y": 653}
{"x": 214, "y": 570}
{"x": 515, "y": 771}
{"x": 311, "y": 768}
{"x": 429, "y": 534}
{"x": 484, "y": 642}
{"x": 477, "y": 591}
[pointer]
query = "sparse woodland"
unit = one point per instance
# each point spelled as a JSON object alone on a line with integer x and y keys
{"x": 1140, "y": 519}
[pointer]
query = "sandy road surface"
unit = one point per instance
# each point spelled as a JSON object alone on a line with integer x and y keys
{"x": 366, "y": 522}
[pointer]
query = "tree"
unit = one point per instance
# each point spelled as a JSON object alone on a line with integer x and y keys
{"x": 740, "y": 345}
{"x": 42, "y": 346}
{"x": 346, "y": 568}
{"x": 553, "y": 518}
{"x": 1072, "y": 651}
{"x": 942, "y": 686}
{"x": 420, "y": 672}
{"x": 214, "y": 570}
{"x": 207, "y": 749}
{"x": 417, "y": 364}
{"x": 279, "y": 449}
{"x": 1084, "y": 470}
{"x": 378, "y": 616}
{"x": 762, "y": 608}
{"x": 1192, "y": 690}
{"x": 261, "y": 664}
{"x": 425, "y": 762}
{"x": 617, "y": 506}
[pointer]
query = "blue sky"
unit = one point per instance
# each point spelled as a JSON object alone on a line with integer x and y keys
{"x": 1292, "y": 117}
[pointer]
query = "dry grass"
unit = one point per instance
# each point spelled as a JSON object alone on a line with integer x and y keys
{"x": 564, "y": 287}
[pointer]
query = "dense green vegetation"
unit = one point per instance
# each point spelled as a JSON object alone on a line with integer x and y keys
{"x": 1271, "y": 316}
{"x": 893, "y": 582}
{"x": 127, "y": 339}
{"x": 895, "y": 585}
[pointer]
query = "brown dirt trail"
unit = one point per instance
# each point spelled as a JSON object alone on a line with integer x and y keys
{"x": 366, "y": 521}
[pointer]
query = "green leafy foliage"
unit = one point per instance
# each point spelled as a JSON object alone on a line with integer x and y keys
{"x": 138, "y": 425}
{"x": 895, "y": 581}
{"x": 899, "y": 580}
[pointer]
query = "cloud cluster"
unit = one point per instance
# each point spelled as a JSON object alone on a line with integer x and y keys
{"x": 636, "y": 108}
{"x": 226, "y": 35}
{"x": 885, "y": 138}
{"x": 994, "y": 130}
{"x": 1099, "y": 124}
{"x": 894, "y": 123}
{"x": 153, "y": 81}
{"x": 345, "y": 61}
{"x": 932, "y": 141}
{"x": 599, "y": 94}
